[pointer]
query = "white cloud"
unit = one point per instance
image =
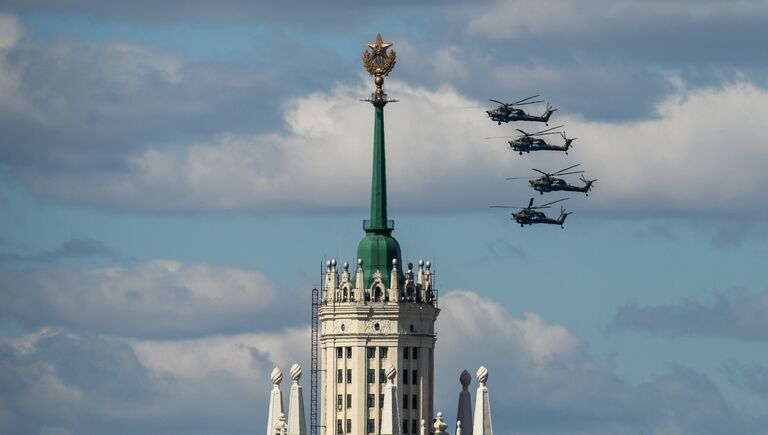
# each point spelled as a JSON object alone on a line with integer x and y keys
{"x": 154, "y": 299}
{"x": 520, "y": 18}
{"x": 703, "y": 155}
{"x": 542, "y": 380}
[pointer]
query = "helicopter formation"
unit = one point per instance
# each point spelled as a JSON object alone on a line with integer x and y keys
{"x": 528, "y": 142}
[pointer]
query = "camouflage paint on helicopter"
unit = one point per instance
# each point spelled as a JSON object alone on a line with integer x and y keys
{"x": 507, "y": 112}
{"x": 549, "y": 182}
{"x": 530, "y": 215}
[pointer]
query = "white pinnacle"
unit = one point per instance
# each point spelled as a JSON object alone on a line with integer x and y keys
{"x": 275, "y": 401}
{"x": 482, "y": 420}
{"x": 390, "y": 415}
{"x": 296, "y": 419}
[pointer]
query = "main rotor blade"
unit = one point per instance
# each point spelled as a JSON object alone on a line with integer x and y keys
{"x": 525, "y": 99}
{"x": 549, "y": 129}
{"x": 545, "y": 134}
{"x": 503, "y": 104}
{"x": 528, "y": 102}
{"x": 530, "y": 203}
{"x": 553, "y": 202}
{"x": 516, "y": 178}
{"x": 569, "y": 173}
{"x": 521, "y": 131}
{"x": 569, "y": 167}
{"x": 541, "y": 172}
{"x": 503, "y": 206}
{"x": 497, "y": 137}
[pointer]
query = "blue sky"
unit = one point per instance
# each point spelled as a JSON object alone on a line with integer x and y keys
{"x": 172, "y": 177}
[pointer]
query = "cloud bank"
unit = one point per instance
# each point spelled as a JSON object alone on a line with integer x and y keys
{"x": 735, "y": 313}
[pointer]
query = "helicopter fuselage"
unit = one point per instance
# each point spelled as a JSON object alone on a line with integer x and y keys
{"x": 552, "y": 184}
{"x": 530, "y": 217}
{"x": 527, "y": 144}
{"x": 511, "y": 114}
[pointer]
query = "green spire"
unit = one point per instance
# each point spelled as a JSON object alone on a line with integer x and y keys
{"x": 379, "y": 173}
{"x": 378, "y": 248}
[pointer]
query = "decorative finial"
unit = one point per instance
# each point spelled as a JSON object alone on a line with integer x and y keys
{"x": 295, "y": 372}
{"x": 482, "y": 375}
{"x": 439, "y": 425}
{"x": 346, "y": 266}
{"x": 277, "y": 376}
{"x": 328, "y": 264}
{"x": 428, "y": 264}
{"x": 378, "y": 62}
{"x": 465, "y": 378}
{"x": 410, "y": 267}
{"x": 421, "y": 263}
{"x": 333, "y": 262}
{"x": 360, "y": 262}
{"x": 390, "y": 371}
{"x": 394, "y": 262}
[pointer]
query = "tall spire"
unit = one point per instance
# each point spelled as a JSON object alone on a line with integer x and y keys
{"x": 378, "y": 248}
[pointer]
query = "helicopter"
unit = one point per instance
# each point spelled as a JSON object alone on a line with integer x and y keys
{"x": 550, "y": 183}
{"x": 507, "y": 112}
{"x": 530, "y": 215}
{"x": 529, "y": 142}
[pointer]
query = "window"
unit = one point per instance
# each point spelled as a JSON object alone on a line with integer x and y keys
{"x": 415, "y": 353}
{"x": 349, "y": 425}
{"x": 371, "y": 376}
{"x": 382, "y": 377}
{"x": 371, "y": 352}
{"x": 339, "y": 352}
{"x": 338, "y": 401}
{"x": 349, "y": 376}
{"x": 405, "y": 353}
{"x": 369, "y": 426}
{"x": 381, "y": 401}
{"x": 349, "y": 401}
{"x": 405, "y": 377}
{"x": 349, "y": 351}
{"x": 339, "y": 376}
{"x": 415, "y": 401}
{"x": 405, "y": 401}
{"x": 414, "y": 426}
{"x": 415, "y": 377}
{"x": 338, "y": 426}
{"x": 383, "y": 351}
{"x": 405, "y": 425}
{"x": 370, "y": 400}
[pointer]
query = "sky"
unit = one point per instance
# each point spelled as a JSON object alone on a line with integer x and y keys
{"x": 174, "y": 174}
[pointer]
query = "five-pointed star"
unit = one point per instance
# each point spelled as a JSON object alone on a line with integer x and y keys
{"x": 379, "y": 43}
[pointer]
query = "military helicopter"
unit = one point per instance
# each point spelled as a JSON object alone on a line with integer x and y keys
{"x": 530, "y": 142}
{"x": 507, "y": 112}
{"x": 529, "y": 215}
{"x": 550, "y": 183}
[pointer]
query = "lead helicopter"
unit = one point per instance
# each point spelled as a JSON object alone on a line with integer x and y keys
{"x": 549, "y": 182}
{"x": 507, "y": 112}
{"x": 532, "y": 142}
{"x": 530, "y": 215}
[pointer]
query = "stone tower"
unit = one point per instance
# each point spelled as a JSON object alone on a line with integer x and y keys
{"x": 377, "y": 313}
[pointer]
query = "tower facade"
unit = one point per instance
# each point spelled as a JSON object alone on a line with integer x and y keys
{"x": 376, "y": 313}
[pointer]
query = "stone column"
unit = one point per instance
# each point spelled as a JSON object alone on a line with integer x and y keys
{"x": 464, "y": 414}
{"x": 275, "y": 401}
{"x": 482, "y": 423}
{"x": 296, "y": 421}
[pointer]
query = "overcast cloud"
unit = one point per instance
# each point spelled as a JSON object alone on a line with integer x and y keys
{"x": 540, "y": 376}
{"x": 736, "y": 313}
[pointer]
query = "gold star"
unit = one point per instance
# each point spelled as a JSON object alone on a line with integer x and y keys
{"x": 379, "y": 44}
